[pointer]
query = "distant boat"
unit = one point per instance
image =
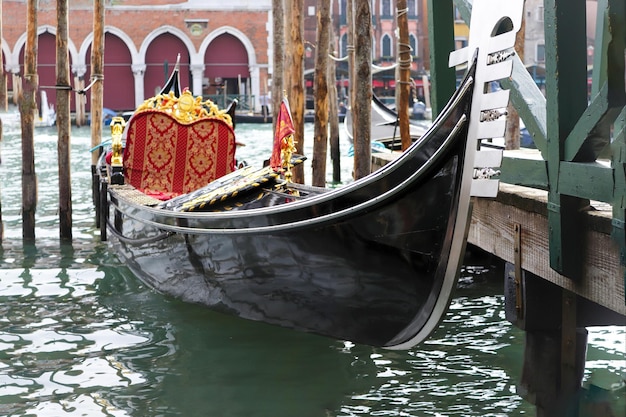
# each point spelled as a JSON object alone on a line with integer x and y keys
{"x": 384, "y": 125}
{"x": 47, "y": 114}
{"x": 244, "y": 117}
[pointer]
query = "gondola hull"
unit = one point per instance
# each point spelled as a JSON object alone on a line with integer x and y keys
{"x": 364, "y": 277}
{"x": 372, "y": 262}
{"x": 367, "y": 262}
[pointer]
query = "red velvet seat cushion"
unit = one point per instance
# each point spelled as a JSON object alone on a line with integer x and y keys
{"x": 165, "y": 158}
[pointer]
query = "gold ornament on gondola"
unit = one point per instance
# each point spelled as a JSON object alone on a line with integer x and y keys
{"x": 185, "y": 109}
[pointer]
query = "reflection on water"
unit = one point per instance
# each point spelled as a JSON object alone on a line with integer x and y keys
{"x": 79, "y": 335}
{"x": 88, "y": 339}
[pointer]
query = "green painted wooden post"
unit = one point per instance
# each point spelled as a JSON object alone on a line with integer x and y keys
{"x": 566, "y": 100}
{"x": 614, "y": 39}
{"x": 569, "y": 132}
{"x": 619, "y": 203}
{"x": 441, "y": 34}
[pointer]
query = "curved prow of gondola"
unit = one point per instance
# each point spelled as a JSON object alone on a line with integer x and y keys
{"x": 382, "y": 108}
{"x": 231, "y": 111}
{"x": 173, "y": 83}
{"x": 490, "y": 54}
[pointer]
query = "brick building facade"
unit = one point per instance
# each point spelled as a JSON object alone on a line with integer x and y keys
{"x": 224, "y": 47}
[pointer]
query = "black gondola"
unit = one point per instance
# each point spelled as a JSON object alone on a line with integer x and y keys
{"x": 373, "y": 262}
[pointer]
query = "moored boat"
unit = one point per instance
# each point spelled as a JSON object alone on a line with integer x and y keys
{"x": 244, "y": 117}
{"x": 373, "y": 262}
{"x": 384, "y": 126}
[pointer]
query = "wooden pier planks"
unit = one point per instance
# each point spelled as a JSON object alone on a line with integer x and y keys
{"x": 493, "y": 230}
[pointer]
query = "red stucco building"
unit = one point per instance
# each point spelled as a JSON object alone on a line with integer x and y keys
{"x": 224, "y": 46}
{"x": 221, "y": 45}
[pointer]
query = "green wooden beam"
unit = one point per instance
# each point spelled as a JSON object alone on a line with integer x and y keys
{"x": 612, "y": 35}
{"x": 566, "y": 100}
{"x": 591, "y": 133}
{"x": 529, "y": 102}
{"x": 441, "y": 35}
{"x": 619, "y": 203}
{"x": 591, "y": 181}
{"x": 521, "y": 168}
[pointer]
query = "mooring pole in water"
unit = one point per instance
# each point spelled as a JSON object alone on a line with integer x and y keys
{"x": 63, "y": 121}
{"x": 1, "y": 224}
{"x": 320, "y": 141}
{"x": 403, "y": 84}
{"x": 295, "y": 60}
{"x": 4, "y": 102}
{"x": 555, "y": 337}
{"x": 97, "y": 65}
{"x": 333, "y": 110}
{"x": 27, "y": 118}
{"x": 362, "y": 105}
{"x": 278, "y": 14}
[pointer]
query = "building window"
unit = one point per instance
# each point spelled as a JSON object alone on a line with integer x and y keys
{"x": 344, "y": 45}
{"x": 385, "y": 9}
{"x": 386, "y": 46}
{"x": 541, "y": 53}
{"x": 460, "y": 43}
{"x": 539, "y": 13}
{"x": 413, "y": 42}
{"x": 412, "y": 4}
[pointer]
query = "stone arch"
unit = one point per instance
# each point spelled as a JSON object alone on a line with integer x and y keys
{"x": 153, "y": 79}
{"x": 252, "y": 67}
{"x": 83, "y": 59}
{"x": 7, "y": 64}
{"x": 46, "y": 59}
{"x": 131, "y": 79}
{"x": 8, "y": 56}
{"x": 15, "y": 61}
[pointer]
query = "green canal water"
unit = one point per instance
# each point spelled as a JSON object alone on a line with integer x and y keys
{"x": 81, "y": 336}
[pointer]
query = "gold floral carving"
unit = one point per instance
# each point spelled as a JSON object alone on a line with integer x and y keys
{"x": 185, "y": 109}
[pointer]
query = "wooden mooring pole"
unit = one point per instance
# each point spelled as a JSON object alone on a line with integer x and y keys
{"x": 320, "y": 143}
{"x": 333, "y": 109}
{"x": 404, "y": 72}
{"x": 555, "y": 342}
{"x": 362, "y": 105}
{"x": 4, "y": 102}
{"x": 295, "y": 60}
{"x": 1, "y": 223}
{"x": 27, "y": 117}
{"x": 278, "y": 15}
{"x": 63, "y": 122}
{"x": 97, "y": 74}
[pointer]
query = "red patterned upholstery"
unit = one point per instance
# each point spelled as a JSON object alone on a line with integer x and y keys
{"x": 165, "y": 158}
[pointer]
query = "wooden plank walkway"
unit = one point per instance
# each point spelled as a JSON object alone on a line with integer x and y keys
{"x": 493, "y": 230}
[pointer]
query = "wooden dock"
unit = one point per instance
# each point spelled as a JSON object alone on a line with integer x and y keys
{"x": 518, "y": 218}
